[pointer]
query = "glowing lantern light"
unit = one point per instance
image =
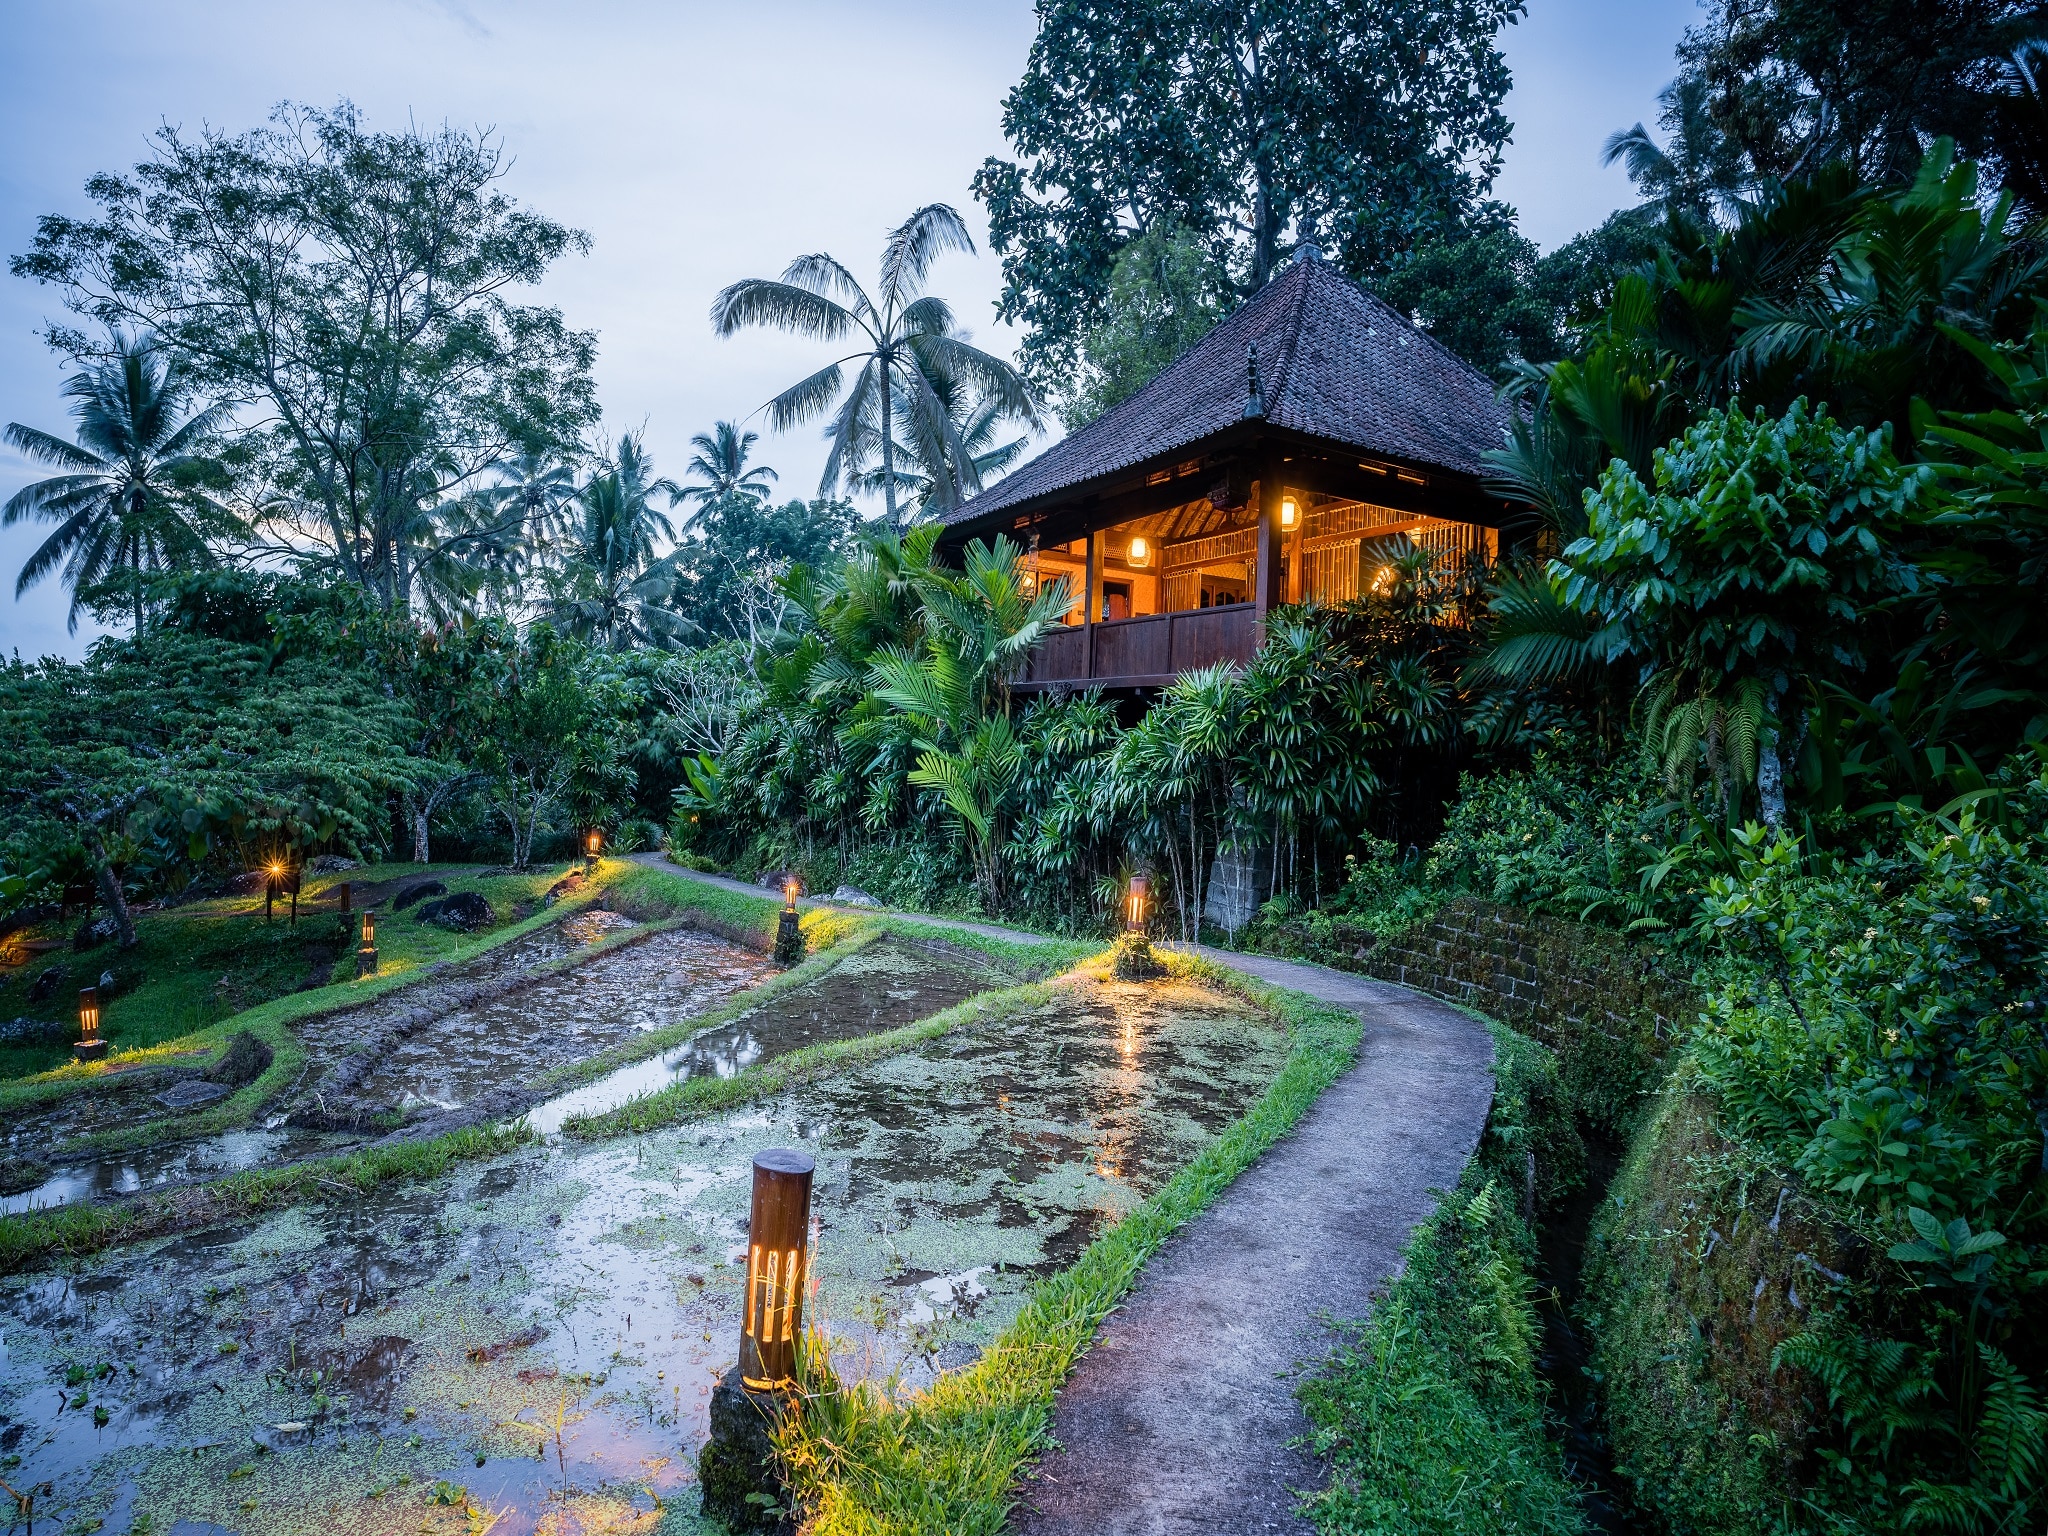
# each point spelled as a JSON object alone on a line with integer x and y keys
{"x": 592, "y": 849}
{"x": 778, "y": 1243}
{"x": 90, "y": 1046}
{"x": 789, "y": 935}
{"x": 1289, "y": 511}
{"x": 366, "y": 951}
{"x": 1141, "y": 890}
{"x": 1140, "y": 552}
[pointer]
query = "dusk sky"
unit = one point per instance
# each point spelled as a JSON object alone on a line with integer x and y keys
{"x": 695, "y": 143}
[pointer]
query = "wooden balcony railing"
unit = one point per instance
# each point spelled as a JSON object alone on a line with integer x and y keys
{"x": 1145, "y": 652}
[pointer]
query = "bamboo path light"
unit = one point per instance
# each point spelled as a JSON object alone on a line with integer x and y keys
{"x": 366, "y": 951}
{"x": 591, "y": 850}
{"x": 789, "y": 935}
{"x": 1137, "y": 904}
{"x": 778, "y": 1264}
{"x": 90, "y": 1047}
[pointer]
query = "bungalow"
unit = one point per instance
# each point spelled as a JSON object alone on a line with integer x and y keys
{"x": 1276, "y": 462}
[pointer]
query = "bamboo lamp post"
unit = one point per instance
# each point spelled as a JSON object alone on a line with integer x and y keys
{"x": 778, "y": 1264}
{"x": 90, "y": 1047}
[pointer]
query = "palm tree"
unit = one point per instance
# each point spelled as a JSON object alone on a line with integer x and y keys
{"x": 720, "y": 469}
{"x": 926, "y": 474}
{"x": 905, "y": 339}
{"x": 616, "y": 588}
{"x": 124, "y": 504}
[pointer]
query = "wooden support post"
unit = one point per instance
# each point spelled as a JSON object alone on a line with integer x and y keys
{"x": 1088, "y": 613}
{"x": 1270, "y": 578}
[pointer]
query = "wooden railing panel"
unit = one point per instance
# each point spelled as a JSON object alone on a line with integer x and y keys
{"x": 1058, "y": 656}
{"x": 1141, "y": 647}
{"x": 1152, "y": 646}
{"x": 1204, "y": 636}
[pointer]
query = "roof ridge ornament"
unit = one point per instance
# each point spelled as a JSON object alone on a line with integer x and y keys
{"x": 1306, "y": 250}
{"x": 1254, "y": 405}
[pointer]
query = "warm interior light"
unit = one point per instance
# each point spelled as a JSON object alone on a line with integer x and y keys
{"x": 1288, "y": 511}
{"x": 1027, "y": 582}
{"x": 1382, "y": 580}
{"x": 1140, "y": 889}
{"x": 1140, "y": 551}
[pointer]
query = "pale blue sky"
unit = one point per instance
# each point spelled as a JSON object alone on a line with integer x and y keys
{"x": 696, "y": 142}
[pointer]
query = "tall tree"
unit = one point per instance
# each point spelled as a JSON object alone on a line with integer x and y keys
{"x": 719, "y": 471}
{"x": 351, "y": 291}
{"x": 128, "y": 501}
{"x": 1772, "y": 90}
{"x": 1166, "y": 292}
{"x": 903, "y": 337}
{"x": 1241, "y": 119}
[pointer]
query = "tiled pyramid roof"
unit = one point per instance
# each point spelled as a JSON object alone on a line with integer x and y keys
{"x": 1333, "y": 361}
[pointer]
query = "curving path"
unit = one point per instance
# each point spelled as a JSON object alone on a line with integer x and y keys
{"x": 1180, "y": 1419}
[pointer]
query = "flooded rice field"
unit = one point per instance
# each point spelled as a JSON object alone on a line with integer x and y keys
{"x": 529, "y": 1344}
{"x": 424, "y": 1051}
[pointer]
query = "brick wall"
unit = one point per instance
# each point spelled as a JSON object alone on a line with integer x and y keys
{"x": 1607, "y": 1005}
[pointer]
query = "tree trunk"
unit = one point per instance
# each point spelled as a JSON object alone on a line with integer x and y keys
{"x": 888, "y": 451}
{"x": 109, "y": 885}
{"x": 1770, "y": 779}
{"x": 420, "y": 819}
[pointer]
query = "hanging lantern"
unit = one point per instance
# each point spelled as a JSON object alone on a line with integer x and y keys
{"x": 778, "y": 1242}
{"x": 1290, "y": 511}
{"x": 1140, "y": 553}
{"x": 366, "y": 951}
{"x": 90, "y": 1046}
{"x": 1136, "y": 903}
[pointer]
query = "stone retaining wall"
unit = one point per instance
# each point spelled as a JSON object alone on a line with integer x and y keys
{"x": 1608, "y": 1006}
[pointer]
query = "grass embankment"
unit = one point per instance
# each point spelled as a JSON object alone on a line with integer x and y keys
{"x": 405, "y": 949}
{"x": 944, "y": 1460}
{"x": 73, "y": 1230}
{"x": 195, "y": 966}
{"x": 1431, "y": 1415}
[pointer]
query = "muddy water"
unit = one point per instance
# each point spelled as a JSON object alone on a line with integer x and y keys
{"x": 555, "y": 1019}
{"x": 535, "y": 1339}
{"x": 881, "y": 987}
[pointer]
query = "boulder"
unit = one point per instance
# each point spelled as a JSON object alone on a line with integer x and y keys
{"x": 36, "y": 1032}
{"x": 854, "y": 896}
{"x": 413, "y": 893}
{"x": 330, "y": 863}
{"x": 568, "y": 885}
{"x": 44, "y": 987}
{"x": 464, "y": 912}
{"x": 192, "y": 1093}
{"x": 93, "y": 932}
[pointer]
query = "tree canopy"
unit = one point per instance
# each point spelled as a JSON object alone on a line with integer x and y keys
{"x": 1246, "y": 122}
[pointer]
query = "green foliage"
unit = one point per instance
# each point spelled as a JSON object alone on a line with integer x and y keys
{"x": 1478, "y": 291}
{"x": 1432, "y": 1416}
{"x": 1165, "y": 293}
{"x": 910, "y": 353}
{"x": 353, "y": 284}
{"x": 1379, "y": 118}
{"x": 133, "y": 499}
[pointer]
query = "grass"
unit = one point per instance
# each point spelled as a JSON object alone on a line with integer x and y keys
{"x": 945, "y": 1460}
{"x": 1431, "y": 1415}
{"x": 74, "y": 1230}
{"x": 196, "y": 965}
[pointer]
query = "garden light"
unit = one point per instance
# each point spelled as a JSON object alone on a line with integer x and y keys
{"x": 591, "y": 850}
{"x": 90, "y": 1046}
{"x": 789, "y": 935}
{"x": 1141, "y": 890}
{"x": 366, "y": 951}
{"x": 778, "y": 1241}
{"x": 1140, "y": 552}
{"x": 1289, "y": 511}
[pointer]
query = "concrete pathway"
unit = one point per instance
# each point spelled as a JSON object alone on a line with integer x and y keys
{"x": 1179, "y": 1419}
